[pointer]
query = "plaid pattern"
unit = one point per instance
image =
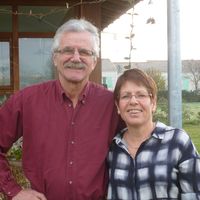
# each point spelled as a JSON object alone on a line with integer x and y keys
{"x": 166, "y": 166}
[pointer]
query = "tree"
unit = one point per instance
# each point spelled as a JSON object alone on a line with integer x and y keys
{"x": 194, "y": 70}
{"x": 157, "y": 77}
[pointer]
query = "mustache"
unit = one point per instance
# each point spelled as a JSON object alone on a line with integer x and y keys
{"x": 73, "y": 65}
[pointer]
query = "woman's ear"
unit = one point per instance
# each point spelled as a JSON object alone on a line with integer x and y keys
{"x": 118, "y": 111}
{"x": 154, "y": 105}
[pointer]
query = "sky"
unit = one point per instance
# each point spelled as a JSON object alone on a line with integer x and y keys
{"x": 150, "y": 40}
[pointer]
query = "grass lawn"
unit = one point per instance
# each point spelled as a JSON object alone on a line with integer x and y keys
{"x": 194, "y": 132}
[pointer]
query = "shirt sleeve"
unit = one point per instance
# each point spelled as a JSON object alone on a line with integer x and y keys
{"x": 189, "y": 172}
{"x": 9, "y": 133}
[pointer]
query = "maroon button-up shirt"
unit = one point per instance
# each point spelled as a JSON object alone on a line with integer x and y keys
{"x": 64, "y": 148}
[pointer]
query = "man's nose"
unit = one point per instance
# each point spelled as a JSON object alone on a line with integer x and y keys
{"x": 75, "y": 56}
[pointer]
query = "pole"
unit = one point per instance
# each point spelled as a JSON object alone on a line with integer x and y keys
{"x": 174, "y": 65}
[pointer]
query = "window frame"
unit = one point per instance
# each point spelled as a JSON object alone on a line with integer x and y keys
{"x": 7, "y": 89}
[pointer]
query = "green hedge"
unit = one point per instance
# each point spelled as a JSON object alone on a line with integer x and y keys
{"x": 187, "y": 96}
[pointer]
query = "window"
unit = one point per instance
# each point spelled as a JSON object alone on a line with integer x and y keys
{"x": 4, "y": 63}
{"x": 35, "y": 63}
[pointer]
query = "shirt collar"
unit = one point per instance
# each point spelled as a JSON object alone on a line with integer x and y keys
{"x": 60, "y": 91}
{"x": 119, "y": 136}
{"x": 84, "y": 93}
{"x": 63, "y": 97}
{"x": 158, "y": 132}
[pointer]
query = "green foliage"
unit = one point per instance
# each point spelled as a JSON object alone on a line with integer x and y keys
{"x": 15, "y": 153}
{"x": 161, "y": 113}
{"x": 190, "y": 96}
{"x": 190, "y": 115}
{"x": 190, "y": 111}
{"x": 157, "y": 77}
{"x": 198, "y": 116}
{"x": 193, "y": 131}
{"x": 187, "y": 96}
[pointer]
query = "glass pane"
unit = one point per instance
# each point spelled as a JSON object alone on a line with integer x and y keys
{"x": 4, "y": 63}
{"x": 5, "y": 19}
{"x": 3, "y": 98}
{"x": 42, "y": 18}
{"x": 35, "y": 61}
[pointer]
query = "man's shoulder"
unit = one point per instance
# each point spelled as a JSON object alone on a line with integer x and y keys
{"x": 36, "y": 90}
{"x": 40, "y": 86}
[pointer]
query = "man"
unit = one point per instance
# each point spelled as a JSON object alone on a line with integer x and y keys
{"x": 66, "y": 124}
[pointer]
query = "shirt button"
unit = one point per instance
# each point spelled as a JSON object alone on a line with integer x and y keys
{"x": 71, "y": 162}
{"x": 70, "y": 105}
{"x": 72, "y": 123}
{"x": 70, "y": 182}
{"x": 72, "y": 142}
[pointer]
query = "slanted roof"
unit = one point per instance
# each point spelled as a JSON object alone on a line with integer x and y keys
{"x": 113, "y": 9}
{"x": 110, "y": 9}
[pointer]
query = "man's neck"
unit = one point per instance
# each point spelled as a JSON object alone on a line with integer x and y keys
{"x": 73, "y": 90}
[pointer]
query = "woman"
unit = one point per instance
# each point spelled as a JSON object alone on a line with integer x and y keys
{"x": 149, "y": 160}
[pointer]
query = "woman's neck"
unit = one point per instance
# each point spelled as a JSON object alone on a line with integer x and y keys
{"x": 134, "y": 137}
{"x": 139, "y": 134}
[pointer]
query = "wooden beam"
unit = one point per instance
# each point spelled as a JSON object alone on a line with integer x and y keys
{"x": 92, "y": 12}
{"x": 36, "y": 35}
{"x": 15, "y": 52}
{"x": 38, "y": 2}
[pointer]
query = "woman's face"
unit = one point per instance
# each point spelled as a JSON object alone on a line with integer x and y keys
{"x": 136, "y": 105}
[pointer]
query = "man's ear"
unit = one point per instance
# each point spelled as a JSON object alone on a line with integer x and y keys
{"x": 54, "y": 59}
{"x": 95, "y": 63}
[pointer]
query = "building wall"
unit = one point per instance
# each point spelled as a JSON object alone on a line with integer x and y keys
{"x": 118, "y": 68}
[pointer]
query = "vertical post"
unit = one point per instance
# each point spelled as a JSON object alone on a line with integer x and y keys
{"x": 92, "y": 12}
{"x": 15, "y": 46}
{"x": 174, "y": 64}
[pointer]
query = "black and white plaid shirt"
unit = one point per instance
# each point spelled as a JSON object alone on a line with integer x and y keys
{"x": 166, "y": 166}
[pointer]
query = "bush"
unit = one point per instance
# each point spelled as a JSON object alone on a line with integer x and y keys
{"x": 160, "y": 115}
{"x": 15, "y": 153}
{"x": 190, "y": 96}
{"x": 187, "y": 96}
{"x": 198, "y": 116}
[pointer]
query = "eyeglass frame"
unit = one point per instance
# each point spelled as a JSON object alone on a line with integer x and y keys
{"x": 138, "y": 96}
{"x": 70, "y": 51}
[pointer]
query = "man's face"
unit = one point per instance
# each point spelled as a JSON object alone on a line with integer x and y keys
{"x": 74, "y": 59}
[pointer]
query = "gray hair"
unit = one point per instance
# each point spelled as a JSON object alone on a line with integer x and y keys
{"x": 77, "y": 25}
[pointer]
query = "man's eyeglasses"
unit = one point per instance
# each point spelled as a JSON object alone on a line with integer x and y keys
{"x": 139, "y": 96}
{"x": 70, "y": 52}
